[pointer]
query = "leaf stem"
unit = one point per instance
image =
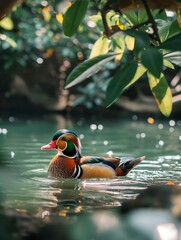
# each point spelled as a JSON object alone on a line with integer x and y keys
{"x": 103, "y": 12}
{"x": 152, "y": 21}
{"x": 107, "y": 31}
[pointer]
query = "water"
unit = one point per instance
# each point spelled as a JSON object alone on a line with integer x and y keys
{"x": 26, "y": 187}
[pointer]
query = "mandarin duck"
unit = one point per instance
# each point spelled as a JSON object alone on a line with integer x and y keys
{"x": 69, "y": 162}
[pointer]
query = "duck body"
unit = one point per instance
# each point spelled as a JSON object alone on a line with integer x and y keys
{"x": 69, "y": 162}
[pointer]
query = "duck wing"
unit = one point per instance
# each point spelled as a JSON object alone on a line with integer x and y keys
{"x": 113, "y": 162}
{"x": 122, "y": 165}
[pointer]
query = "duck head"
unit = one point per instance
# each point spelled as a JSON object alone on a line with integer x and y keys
{"x": 66, "y": 142}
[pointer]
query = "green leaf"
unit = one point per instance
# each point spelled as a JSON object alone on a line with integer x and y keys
{"x": 174, "y": 28}
{"x": 131, "y": 15}
{"x": 157, "y": 14}
{"x": 152, "y": 59}
{"x": 142, "y": 16}
{"x": 120, "y": 81}
{"x": 172, "y": 43}
{"x": 142, "y": 39}
{"x": 164, "y": 31}
{"x": 100, "y": 47}
{"x": 162, "y": 93}
{"x": 74, "y": 16}
{"x": 87, "y": 68}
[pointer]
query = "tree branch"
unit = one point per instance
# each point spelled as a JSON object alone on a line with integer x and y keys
{"x": 107, "y": 31}
{"x": 152, "y": 21}
{"x": 110, "y": 31}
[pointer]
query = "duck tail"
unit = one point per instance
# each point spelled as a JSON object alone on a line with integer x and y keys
{"x": 126, "y": 164}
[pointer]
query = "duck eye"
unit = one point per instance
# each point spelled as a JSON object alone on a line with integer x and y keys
{"x": 64, "y": 139}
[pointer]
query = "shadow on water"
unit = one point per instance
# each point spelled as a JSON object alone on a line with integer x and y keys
{"x": 26, "y": 188}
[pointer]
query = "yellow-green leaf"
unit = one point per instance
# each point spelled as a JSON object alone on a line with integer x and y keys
{"x": 118, "y": 45}
{"x": 130, "y": 42}
{"x": 161, "y": 92}
{"x": 11, "y": 42}
{"x": 168, "y": 64}
{"x": 7, "y": 23}
{"x": 100, "y": 47}
{"x": 139, "y": 72}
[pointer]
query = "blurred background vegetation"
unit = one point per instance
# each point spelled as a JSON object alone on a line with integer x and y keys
{"x": 36, "y": 58}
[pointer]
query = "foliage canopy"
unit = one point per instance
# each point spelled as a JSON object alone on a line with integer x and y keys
{"x": 143, "y": 40}
{"x": 137, "y": 39}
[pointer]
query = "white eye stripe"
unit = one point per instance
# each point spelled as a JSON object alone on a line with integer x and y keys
{"x": 60, "y": 153}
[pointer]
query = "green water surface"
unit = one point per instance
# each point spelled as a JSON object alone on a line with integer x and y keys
{"x": 25, "y": 186}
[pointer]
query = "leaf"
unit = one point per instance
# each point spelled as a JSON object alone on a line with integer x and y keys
{"x": 152, "y": 59}
{"x": 172, "y": 43}
{"x": 174, "y": 28}
{"x": 142, "y": 38}
{"x": 120, "y": 81}
{"x": 74, "y": 16}
{"x": 112, "y": 18}
{"x": 162, "y": 93}
{"x": 131, "y": 15}
{"x": 7, "y": 23}
{"x": 100, "y": 47}
{"x": 130, "y": 42}
{"x": 157, "y": 14}
{"x": 87, "y": 68}
{"x": 174, "y": 57}
{"x": 139, "y": 72}
{"x": 11, "y": 42}
{"x": 118, "y": 45}
{"x": 46, "y": 14}
{"x": 168, "y": 64}
{"x": 59, "y": 18}
{"x": 164, "y": 31}
{"x": 142, "y": 16}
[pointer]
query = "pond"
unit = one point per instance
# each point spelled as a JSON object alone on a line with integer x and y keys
{"x": 26, "y": 187}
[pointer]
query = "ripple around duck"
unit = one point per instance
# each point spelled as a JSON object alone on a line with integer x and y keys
{"x": 88, "y": 194}
{"x": 91, "y": 193}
